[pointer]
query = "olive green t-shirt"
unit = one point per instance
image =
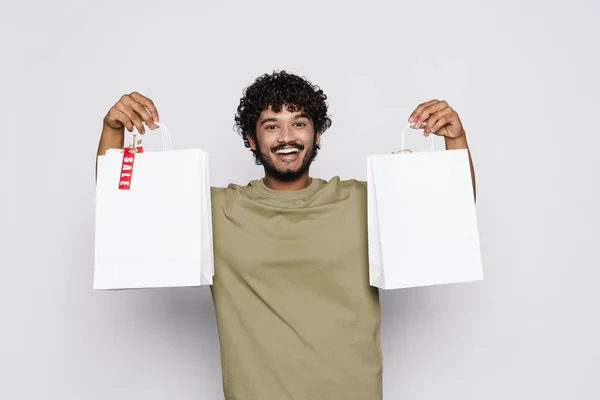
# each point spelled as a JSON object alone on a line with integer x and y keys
{"x": 296, "y": 316}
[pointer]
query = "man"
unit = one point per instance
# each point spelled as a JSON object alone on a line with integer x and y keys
{"x": 296, "y": 316}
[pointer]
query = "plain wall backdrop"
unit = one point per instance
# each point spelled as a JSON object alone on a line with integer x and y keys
{"x": 523, "y": 76}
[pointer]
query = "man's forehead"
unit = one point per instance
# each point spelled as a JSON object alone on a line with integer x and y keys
{"x": 283, "y": 113}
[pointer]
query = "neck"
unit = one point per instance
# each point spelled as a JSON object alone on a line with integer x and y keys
{"x": 286, "y": 186}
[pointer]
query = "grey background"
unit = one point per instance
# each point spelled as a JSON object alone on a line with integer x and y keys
{"x": 522, "y": 75}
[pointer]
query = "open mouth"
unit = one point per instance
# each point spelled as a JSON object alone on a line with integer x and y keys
{"x": 288, "y": 153}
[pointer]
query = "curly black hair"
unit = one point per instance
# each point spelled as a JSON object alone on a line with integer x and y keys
{"x": 276, "y": 90}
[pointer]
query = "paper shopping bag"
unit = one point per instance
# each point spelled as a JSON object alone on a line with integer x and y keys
{"x": 153, "y": 225}
{"x": 422, "y": 223}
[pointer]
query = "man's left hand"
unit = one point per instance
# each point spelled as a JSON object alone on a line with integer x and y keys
{"x": 437, "y": 117}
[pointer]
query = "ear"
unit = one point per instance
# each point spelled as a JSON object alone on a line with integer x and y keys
{"x": 252, "y": 142}
{"x": 318, "y": 138}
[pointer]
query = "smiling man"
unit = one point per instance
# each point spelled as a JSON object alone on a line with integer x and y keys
{"x": 296, "y": 316}
{"x": 281, "y": 118}
{"x": 281, "y": 149}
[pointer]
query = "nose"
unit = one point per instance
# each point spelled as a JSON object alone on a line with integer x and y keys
{"x": 285, "y": 134}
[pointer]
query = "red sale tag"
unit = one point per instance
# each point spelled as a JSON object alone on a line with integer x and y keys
{"x": 127, "y": 168}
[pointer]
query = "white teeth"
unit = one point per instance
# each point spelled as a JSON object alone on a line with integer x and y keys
{"x": 287, "y": 151}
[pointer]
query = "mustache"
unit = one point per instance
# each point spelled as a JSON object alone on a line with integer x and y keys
{"x": 298, "y": 146}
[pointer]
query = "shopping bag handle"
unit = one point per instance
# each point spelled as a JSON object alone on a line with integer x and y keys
{"x": 167, "y": 144}
{"x": 405, "y": 150}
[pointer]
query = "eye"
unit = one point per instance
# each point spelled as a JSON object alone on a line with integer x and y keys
{"x": 300, "y": 124}
{"x": 271, "y": 127}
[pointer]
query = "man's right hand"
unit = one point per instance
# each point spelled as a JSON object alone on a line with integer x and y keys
{"x": 131, "y": 110}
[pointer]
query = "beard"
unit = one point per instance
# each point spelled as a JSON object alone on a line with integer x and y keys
{"x": 287, "y": 174}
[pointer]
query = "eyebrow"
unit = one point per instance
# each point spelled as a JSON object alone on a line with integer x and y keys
{"x": 296, "y": 117}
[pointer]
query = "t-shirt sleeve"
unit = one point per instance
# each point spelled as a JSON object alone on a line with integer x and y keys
{"x": 355, "y": 184}
{"x": 217, "y": 197}
{"x": 222, "y": 197}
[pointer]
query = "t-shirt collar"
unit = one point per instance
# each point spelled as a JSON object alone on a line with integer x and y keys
{"x": 266, "y": 191}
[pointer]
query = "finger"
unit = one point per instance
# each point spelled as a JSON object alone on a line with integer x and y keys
{"x": 122, "y": 118}
{"x": 418, "y": 125}
{"x": 419, "y": 109}
{"x": 446, "y": 117}
{"x": 438, "y": 119}
{"x": 140, "y": 110}
{"x": 146, "y": 102}
{"x": 428, "y": 111}
{"x": 132, "y": 115}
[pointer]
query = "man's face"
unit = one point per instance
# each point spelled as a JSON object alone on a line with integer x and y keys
{"x": 285, "y": 143}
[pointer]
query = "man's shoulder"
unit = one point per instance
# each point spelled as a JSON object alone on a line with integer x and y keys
{"x": 346, "y": 184}
{"x": 232, "y": 187}
{"x": 228, "y": 195}
{"x": 337, "y": 189}
{"x": 222, "y": 192}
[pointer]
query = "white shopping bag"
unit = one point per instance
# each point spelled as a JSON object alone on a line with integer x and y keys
{"x": 153, "y": 218}
{"x": 422, "y": 223}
